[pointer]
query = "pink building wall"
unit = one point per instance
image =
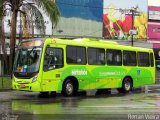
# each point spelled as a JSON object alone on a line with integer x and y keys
{"x": 153, "y": 24}
{"x": 154, "y": 31}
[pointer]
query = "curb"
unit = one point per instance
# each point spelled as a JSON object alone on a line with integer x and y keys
{"x": 5, "y": 90}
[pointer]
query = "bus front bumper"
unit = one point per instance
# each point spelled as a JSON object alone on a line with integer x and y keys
{"x": 34, "y": 87}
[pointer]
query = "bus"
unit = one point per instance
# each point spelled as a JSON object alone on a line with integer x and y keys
{"x": 68, "y": 66}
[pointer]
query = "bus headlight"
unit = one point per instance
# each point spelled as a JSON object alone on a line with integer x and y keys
{"x": 34, "y": 79}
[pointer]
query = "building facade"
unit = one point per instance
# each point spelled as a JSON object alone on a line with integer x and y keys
{"x": 80, "y": 18}
{"x": 153, "y": 23}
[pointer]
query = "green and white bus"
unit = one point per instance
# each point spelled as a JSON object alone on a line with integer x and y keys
{"x": 69, "y": 66}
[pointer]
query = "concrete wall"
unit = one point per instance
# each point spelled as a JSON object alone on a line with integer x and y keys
{"x": 143, "y": 44}
{"x": 78, "y": 27}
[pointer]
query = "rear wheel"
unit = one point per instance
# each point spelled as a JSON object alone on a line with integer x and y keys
{"x": 69, "y": 88}
{"x": 126, "y": 85}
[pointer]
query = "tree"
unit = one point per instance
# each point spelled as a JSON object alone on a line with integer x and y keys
{"x": 29, "y": 6}
{"x": 3, "y": 57}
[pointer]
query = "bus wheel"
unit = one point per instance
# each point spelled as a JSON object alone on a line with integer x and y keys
{"x": 68, "y": 88}
{"x": 126, "y": 85}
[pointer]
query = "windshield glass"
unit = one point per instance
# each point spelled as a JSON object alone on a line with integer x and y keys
{"x": 27, "y": 60}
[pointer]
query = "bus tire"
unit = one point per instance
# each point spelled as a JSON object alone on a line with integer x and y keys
{"x": 69, "y": 88}
{"x": 126, "y": 85}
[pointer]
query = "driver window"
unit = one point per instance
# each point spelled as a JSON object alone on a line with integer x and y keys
{"x": 53, "y": 58}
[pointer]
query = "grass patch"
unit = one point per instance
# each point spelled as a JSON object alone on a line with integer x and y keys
{"x": 5, "y": 83}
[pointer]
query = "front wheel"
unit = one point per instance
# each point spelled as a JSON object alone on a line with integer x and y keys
{"x": 126, "y": 86}
{"x": 69, "y": 88}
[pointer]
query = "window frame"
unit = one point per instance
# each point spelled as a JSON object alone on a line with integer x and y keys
{"x": 151, "y": 57}
{"x": 145, "y": 60}
{"x": 135, "y": 58}
{"x": 121, "y": 62}
{"x": 85, "y": 56}
{"x": 45, "y": 70}
{"x": 104, "y": 60}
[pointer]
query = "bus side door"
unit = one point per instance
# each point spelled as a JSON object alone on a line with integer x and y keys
{"x": 53, "y": 65}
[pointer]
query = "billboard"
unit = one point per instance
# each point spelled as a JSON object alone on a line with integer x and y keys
{"x": 153, "y": 23}
{"x": 84, "y": 9}
{"x": 121, "y": 16}
{"x": 80, "y": 18}
{"x": 154, "y": 15}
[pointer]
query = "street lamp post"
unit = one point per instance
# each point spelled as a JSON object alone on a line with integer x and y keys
{"x": 133, "y": 12}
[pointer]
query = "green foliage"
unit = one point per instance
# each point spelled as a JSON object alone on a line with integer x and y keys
{"x": 5, "y": 83}
{"x": 50, "y": 8}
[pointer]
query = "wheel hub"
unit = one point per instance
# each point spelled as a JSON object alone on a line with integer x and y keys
{"x": 69, "y": 88}
{"x": 127, "y": 85}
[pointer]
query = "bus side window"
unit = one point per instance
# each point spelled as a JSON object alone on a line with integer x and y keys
{"x": 151, "y": 60}
{"x": 76, "y": 55}
{"x": 129, "y": 58}
{"x": 96, "y": 56}
{"x": 114, "y": 57}
{"x": 53, "y": 58}
{"x": 143, "y": 59}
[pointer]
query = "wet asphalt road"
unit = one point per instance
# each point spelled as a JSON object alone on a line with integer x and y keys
{"x": 19, "y": 105}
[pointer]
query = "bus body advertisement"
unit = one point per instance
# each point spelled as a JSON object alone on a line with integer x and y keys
{"x": 52, "y": 64}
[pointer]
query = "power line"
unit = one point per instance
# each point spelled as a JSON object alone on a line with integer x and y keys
{"x": 96, "y": 7}
{"x": 78, "y": 5}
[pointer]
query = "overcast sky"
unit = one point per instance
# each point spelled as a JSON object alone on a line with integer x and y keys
{"x": 154, "y": 3}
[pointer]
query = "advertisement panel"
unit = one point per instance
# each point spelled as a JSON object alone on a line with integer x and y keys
{"x": 80, "y": 18}
{"x": 153, "y": 23}
{"x": 119, "y": 17}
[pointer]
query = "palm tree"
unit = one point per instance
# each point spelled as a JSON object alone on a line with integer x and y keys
{"x": 1, "y": 16}
{"x": 29, "y": 6}
{"x": 3, "y": 58}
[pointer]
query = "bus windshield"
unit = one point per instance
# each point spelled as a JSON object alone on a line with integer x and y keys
{"x": 27, "y": 60}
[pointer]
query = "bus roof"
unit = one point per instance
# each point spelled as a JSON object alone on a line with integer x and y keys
{"x": 95, "y": 40}
{"x": 95, "y": 43}
{"x": 89, "y": 42}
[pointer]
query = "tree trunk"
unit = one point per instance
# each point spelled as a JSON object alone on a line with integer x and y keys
{"x": 13, "y": 39}
{"x": 3, "y": 58}
{"x": 3, "y": 41}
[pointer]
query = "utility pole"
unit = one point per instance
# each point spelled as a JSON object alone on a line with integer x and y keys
{"x": 133, "y": 12}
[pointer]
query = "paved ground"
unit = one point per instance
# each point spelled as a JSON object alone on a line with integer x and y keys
{"x": 141, "y": 105}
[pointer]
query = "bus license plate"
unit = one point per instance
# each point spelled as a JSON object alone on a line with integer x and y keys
{"x": 22, "y": 86}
